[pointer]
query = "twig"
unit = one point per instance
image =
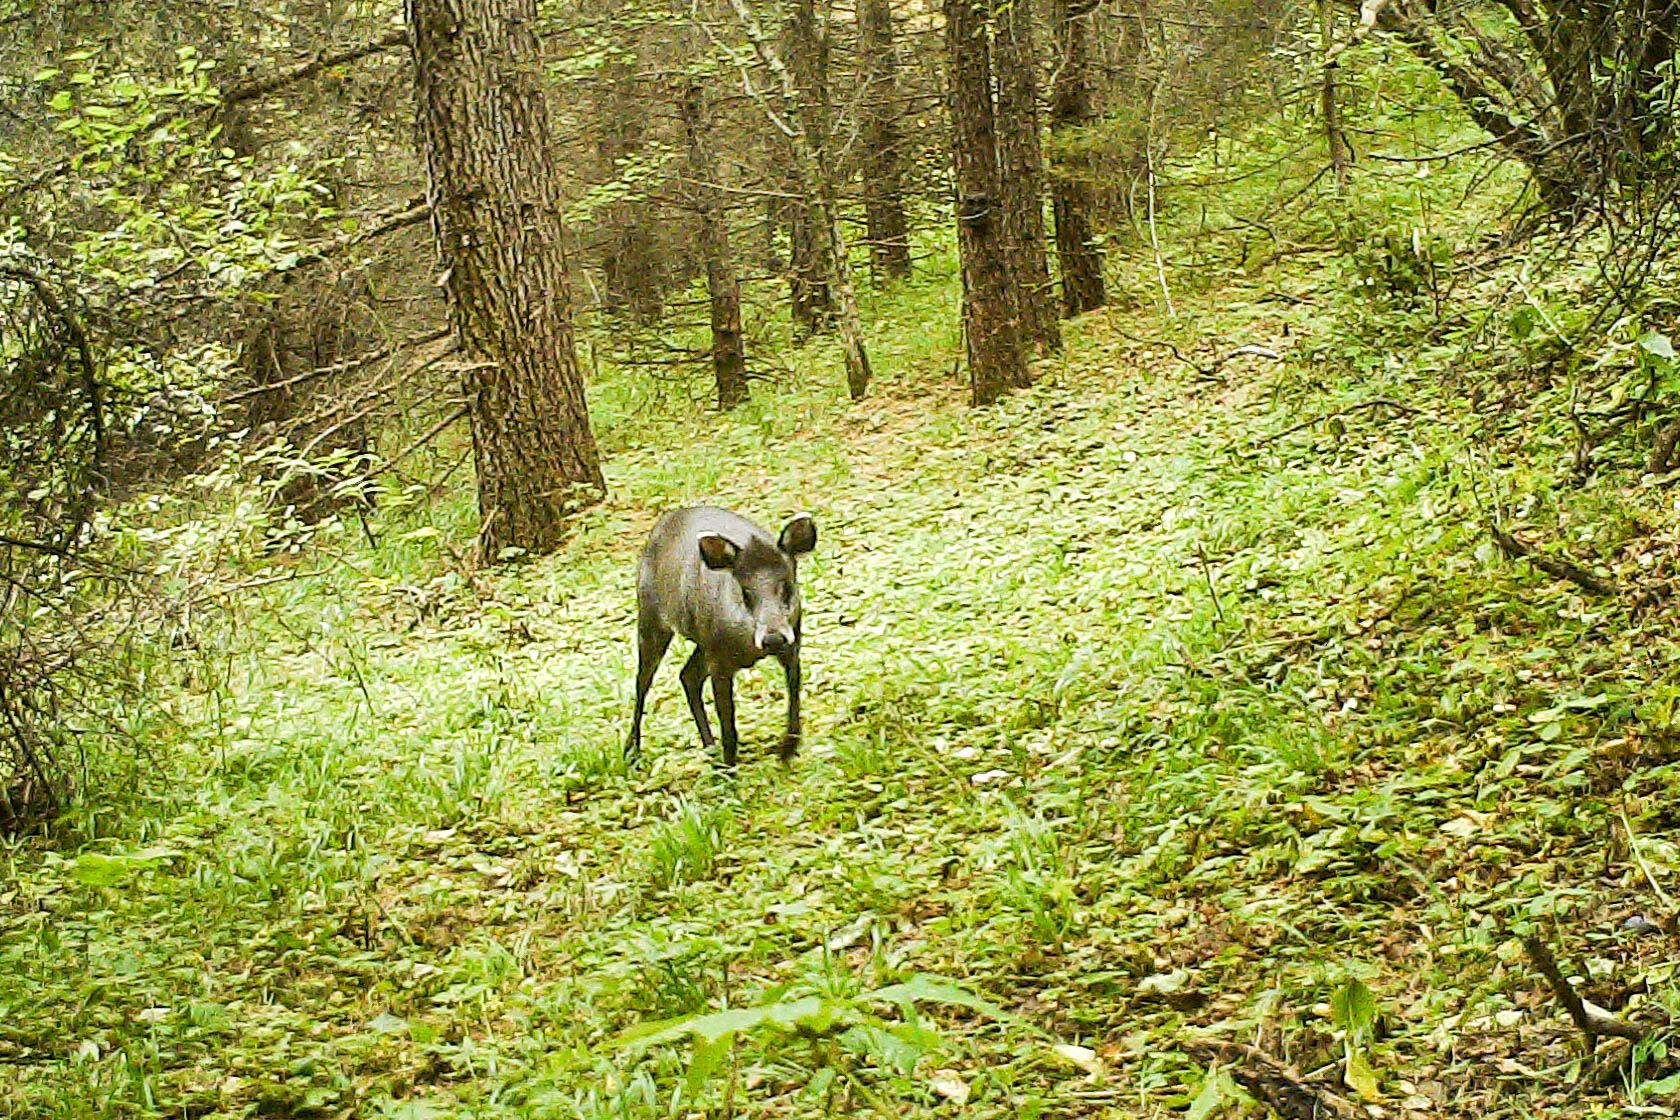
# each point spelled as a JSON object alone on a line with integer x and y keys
{"x": 1207, "y": 373}
{"x": 48, "y": 547}
{"x": 1592, "y": 1024}
{"x": 1256, "y": 351}
{"x": 414, "y": 212}
{"x": 337, "y": 367}
{"x": 1560, "y": 569}
{"x": 1213, "y": 592}
{"x": 1149, "y": 164}
{"x": 417, "y": 444}
{"x": 233, "y": 95}
{"x": 72, "y": 324}
{"x": 1279, "y": 1086}
{"x": 1377, "y": 402}
{"x": 1633, "y": 846}
{"x": 280, "y": 79}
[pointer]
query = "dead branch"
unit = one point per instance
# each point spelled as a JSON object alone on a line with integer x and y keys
{"x": 1272, "y": 1082}
{"x": 1552, "y": 566}
{"x": 415, "y": 445}
{"x": 1590, "y": 1022}
{"x": 303, "y": 71}
{"x": 1378, "y": 402}
{"x": 35, "y": 546}
{"x": 1206, "y": 373}
{"x": 414, "y": 211}
{"x": 78, "y": 336}
{"x": 337, "y": 367}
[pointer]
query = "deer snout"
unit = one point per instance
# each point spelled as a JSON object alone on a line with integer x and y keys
{"x": 775, "y": 642}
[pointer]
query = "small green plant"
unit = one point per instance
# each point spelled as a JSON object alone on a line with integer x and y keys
{"x": 836, "y": 1035}
{"x": 686, "y": 847}
{"x": 1038, "y": 881}
{"x": 1400, "y": 265}
{"x": 1354, "y": 1011}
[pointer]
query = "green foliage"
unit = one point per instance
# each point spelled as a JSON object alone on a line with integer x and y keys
{"x": 171, "y": 197}
{"x": 842, "y": 1030}
{"x": 1173, "y": 698}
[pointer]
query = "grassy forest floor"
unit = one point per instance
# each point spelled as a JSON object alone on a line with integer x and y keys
{"x": 1180, "y": 710}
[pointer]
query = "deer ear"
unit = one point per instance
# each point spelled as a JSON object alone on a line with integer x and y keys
{"x": 799, "y": 535}
{"x": 718, "y": 552}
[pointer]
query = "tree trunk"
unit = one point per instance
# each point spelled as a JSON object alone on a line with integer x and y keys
{"x": 1653, "y": 70}
{"x": 1021, "y": 171}
{"x": 1333, "y": 137}
{"x": 810, "y": 281}
{"x": 729, "y": 361}
{"x": 1072, "y": 196}
{"x": 883, "y": 141}
{"x": 805, "y": 125}
{"x": 1573, "y": 92}
{"x": 810, "y": 299}
{"x": 484, "y": 129}
{"x": 991, "y": 322}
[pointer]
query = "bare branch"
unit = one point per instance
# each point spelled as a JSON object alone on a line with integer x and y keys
{"x": 261, "y": 87}
{"x": 1591, "y": 1023}
{"x": 1552, "y": 566}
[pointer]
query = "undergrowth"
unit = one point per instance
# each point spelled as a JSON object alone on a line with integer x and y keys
{"x": 1185, "y": 699}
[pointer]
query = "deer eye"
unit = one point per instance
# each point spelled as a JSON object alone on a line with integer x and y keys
{"x": 749, "y": 599}
{"x": 787, "y": 594}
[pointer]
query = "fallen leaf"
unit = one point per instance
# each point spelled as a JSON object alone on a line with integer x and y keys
{"x": 1360, "y": 1077}
{"x": 948, "y": 1085}
{"x": 1081, "y": 1056}
{"x": 1164, "y": 983}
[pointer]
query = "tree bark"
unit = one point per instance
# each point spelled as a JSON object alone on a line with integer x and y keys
{"x": 1329, "y": 105}
{"x": 630, "y": 264}
{"x": 483, "y": 126}
{"x": 723, "y": 288}
{"x": 1021, "y": 170}
{"x": 991, "y": 318}
{"x": 810, "y": 298}
{"x": 810, "y": 274}
{"x": 883, "y": 141}
{"x": 1072, "y": 197}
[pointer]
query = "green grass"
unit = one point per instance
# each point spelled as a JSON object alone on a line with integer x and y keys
{"x": 1144, "y": 709}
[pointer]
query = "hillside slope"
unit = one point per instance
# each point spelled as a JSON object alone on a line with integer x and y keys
{"x": 1176, "y": 707}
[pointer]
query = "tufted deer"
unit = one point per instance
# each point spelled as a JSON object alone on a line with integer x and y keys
{"x": 726, "y": 585}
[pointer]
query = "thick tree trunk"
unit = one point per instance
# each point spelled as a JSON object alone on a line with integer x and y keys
{"x": 490, "y": 181}
{"x": 991, "y": 319}
{"x": 883, "y": 141}
{"x": 806, "y": 125}
{"x": 729, "y": 361}
{"x": 1072, "y": 196}
{"x": 1021, "y": 167}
